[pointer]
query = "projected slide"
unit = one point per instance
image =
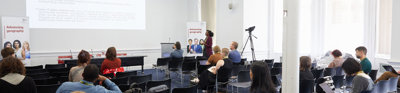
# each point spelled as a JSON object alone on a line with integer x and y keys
{"x": 87, "y": 14}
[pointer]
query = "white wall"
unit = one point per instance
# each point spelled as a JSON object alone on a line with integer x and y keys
{"x": 256, "y": 13}
{"x": 395, "y": 50}
{"x": 229, "y": 23}
{"x": 164, "y": 19}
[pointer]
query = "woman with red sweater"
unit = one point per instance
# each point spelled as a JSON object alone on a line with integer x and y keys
{"x": 111, "y": 61}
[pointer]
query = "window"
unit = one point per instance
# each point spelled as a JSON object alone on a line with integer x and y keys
{"x": 384, "y": 28}
{"x": 344, "y": 25}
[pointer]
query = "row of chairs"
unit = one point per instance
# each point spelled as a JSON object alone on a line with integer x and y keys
{"x": 385, "y": 86}
{"x": 49, "y": 79}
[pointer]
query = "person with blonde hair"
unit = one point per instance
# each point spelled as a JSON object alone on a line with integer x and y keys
{"x": 215, "y": 57}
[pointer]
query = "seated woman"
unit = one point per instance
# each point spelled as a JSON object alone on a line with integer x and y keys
{"x": 305, "y": 68}
{"x": 75, "y": 73}
{"x": 261, "y": 78}
{"x": 13, "y": 79}
{"x": 178, "y": 52}
{"x": 338, "y": 61}
{"x": 213, "y": 59}
{"x": 361, "y": 81}
{"x": 223, "y": 68}
{"x": 387, "y": 75}
{"x": 111, "y": 61}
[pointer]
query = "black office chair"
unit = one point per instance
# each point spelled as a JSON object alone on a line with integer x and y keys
{"x": 236, "y": 69}
{"x": 34, "y": 67}
{"x": 276, "y": 65}
{"x": 338, "y": 81}
{"x": 174, "y": 65}
{"x": 276, "y": 71}
{"x": 46, "y": 81}
{"x": 328, "y": 72}
{"x": 372, "y": 74}
{"x": 317, "y": 73}
{"x": 192, "y": 89}
{"x": 276, "y": 80}
{"x": 125, "y": 74}
{"x": 40, "y": 75}
{"x": 121, "y": 80}
{"x": 162, "y": 64}
{"x": 188, "y": 68}
{"x": 243, "y": 80}
{"x": 151, "y": 84}
{"x": 47, "y": 88}
{"x": 54, "y": 66}
{"x": 269, "y": 61}
{"x": 63, "y": 79}
{"x": 34, "y": 71}
{"x": 140, "y": 79}
{"x": 307, "y": 86}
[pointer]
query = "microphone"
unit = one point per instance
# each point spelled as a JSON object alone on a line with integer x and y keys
{"x": 70, "y": 51}
{"x": 92, "y": 52}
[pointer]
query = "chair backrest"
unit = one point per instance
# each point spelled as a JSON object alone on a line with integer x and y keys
{"x": 338, "y": 81}
{"x": 40, "y": 75}
{"x": 243, "y": 60}
{"x": 35, "y": 71}
{"x": 140, "y": 79}
{"x": 125, "y": 74}
{"x": 307, "y": 86}
{"x": 54, "y": 66}
{"x": 244, "y": 76}
{"x": 372, "y": 74}
{"x": 275, "y": 80}
{"x": 151, "y": 83}
{"x": 46, "y": 81}
{"x": 317, "y": 73}
{"x": 34, "y": 67}
{"x": 192, "y": 89}
{"x": 383, "y": 86}
{"x": 339, "y": 71}
{"x": 57, "y": 70}
{"x": 328, "y": 72}
{"x": 121, "y": 80}
{"x": 276, "y": 71}
{"x": 393, "y": 83}
{"x": 277, "y": 65}
{"x": 236, "y": 69}
{"x": 163, "y": 61}
{"x": 189, "y": 65}
{"x": 47, "y": 88}
{"x": 268, "y": 61}
{"x": 175, "y": 63}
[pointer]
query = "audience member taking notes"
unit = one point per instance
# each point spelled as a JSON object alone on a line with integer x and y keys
{"x": 361, "y": 81}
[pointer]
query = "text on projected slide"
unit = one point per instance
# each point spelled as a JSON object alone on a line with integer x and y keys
{"x": 86, "y": 14}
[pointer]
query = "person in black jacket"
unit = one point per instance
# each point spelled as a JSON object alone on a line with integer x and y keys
{"x": 13, "y": 79}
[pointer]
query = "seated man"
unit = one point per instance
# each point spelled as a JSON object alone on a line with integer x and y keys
{"x": 90, "y": 75}
{"x": 234, "y": 55}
